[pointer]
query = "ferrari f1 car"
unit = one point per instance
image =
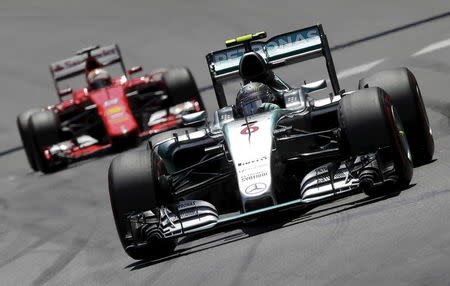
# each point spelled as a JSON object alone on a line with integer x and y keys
{"x": 255, "y": 162}
{"x": 108, "y": 112}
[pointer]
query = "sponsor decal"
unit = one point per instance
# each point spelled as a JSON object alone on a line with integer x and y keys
{"x": 114, "y": 110}
{"x": 119, "y": 120}
{"x": 253, "y": 176}
{"x": 110, "y": 102}
{"x": 190, "y": 212}
{"x": 295, "y": 40}
{"x": 105, "y": 53}
{"x": 249, "y": 162}
{"x": 236, "y": 53}
{"x": 251, "y": 128}
{"x": 225, "y": 116}
{"x": 321, "y": 170}
{"x": 255, "y": 188}
{"x": 57, "y": 68}
{"x": 76, "y": 61}
{"x": 73, "y": 63}
{"x": 186, "y": 204}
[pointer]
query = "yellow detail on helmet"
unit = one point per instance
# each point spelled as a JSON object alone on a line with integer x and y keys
{"x": 243, "y": 38}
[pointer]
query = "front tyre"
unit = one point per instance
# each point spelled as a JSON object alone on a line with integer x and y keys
{"x": 369, "y": 122}
{"x": 46, "y": 131}
{"x": 132, "y": 189}
{"x": 402, "y": 87}
{"x": 26, "y": 136}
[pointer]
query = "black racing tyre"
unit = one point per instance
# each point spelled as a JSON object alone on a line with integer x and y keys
{"x": 368, "y": 121}
{"x": 181, "y": 87}
{"x": 159, "y": 137}
{"x": 132, "y": 188}
{"x": 46, "y": 131}
{"x": 26, "y": 136}
{"x": 401, "y": 85}
{"x": 128, "y": 141}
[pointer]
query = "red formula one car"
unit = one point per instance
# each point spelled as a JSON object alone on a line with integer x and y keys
{"x": 111, "y": 111}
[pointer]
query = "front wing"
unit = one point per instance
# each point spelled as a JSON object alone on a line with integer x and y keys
{"x": 317, "y": 187}
{"x": 88, "y": 146}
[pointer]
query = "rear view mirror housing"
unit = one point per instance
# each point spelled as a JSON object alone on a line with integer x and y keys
{"x": 64, "y": 92}
{"x": 135, "y": 70}
{"x": 193, "y": 119}
{"x": 314, "y": 86}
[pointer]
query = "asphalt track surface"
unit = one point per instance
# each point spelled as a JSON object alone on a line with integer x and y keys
{"x": 58, "y": 229}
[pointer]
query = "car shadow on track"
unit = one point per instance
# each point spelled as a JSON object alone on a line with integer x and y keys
{"x": 425, "y": 163}
{"x": 263, "y": 225}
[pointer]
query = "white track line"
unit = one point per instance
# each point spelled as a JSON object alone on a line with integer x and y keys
{"x": 359, "y": 69}
{"x": 433, "y": 47}
{"x": 368, "y": 66}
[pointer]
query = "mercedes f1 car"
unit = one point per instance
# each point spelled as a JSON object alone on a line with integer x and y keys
{"x": 244, "y": 165}
{"x": 108, "y": 112}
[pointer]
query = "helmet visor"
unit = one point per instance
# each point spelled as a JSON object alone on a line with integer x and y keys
{"x": 100, "y": 83}
{"x": 251, "y": 107}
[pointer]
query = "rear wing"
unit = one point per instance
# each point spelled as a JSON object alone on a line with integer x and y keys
{"x": 75, "y": 65}
{"x": 281, "y": 50}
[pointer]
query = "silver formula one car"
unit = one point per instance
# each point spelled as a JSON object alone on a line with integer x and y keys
{"x": 276, "y": 148}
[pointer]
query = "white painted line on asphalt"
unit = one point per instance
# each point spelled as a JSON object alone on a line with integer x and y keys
{"x": 433, "y": 47}
{"x": 359, "y": 69}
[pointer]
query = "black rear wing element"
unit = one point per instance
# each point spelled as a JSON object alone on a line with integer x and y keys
{"x": 68, "y": 68}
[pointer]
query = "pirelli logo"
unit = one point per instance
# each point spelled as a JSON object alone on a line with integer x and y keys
{"x": 249, "y": 162}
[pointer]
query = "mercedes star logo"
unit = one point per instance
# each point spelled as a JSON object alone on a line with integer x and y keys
{"x": 255, "y": 188}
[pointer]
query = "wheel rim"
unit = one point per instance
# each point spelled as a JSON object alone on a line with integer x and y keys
{"x": 401, "y": 133}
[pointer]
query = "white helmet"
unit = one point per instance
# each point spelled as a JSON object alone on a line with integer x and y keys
{"x": 98, "y": 78}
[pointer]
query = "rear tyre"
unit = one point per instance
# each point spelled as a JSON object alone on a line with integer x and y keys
{"x": 401, "y": 85}
{"x": 26, "y": 136}
{"x": 368, "y": 121}
{"x": 46, "y": 131}
{"x": 181, "y": 87}
{"x": 132, "y": 189}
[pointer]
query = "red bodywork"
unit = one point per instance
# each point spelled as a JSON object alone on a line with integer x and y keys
{"x": 112, "y": 102}
{"x": 112, "y": 105}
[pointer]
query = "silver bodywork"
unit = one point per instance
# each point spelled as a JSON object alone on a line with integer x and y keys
{"x": 250, "y": 145}
{"x": 249, "y": 142}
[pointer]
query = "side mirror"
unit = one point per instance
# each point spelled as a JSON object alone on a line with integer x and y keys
{"x": 314, "y": 86}
{"x": 64, "y": 92}
{"x": 194, "y": 118}
{"x": 134, "y": 70}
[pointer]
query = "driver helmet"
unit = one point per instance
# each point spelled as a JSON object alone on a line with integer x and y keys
{"x": 252, "y": 96}
{"x": 98, "y": 78}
